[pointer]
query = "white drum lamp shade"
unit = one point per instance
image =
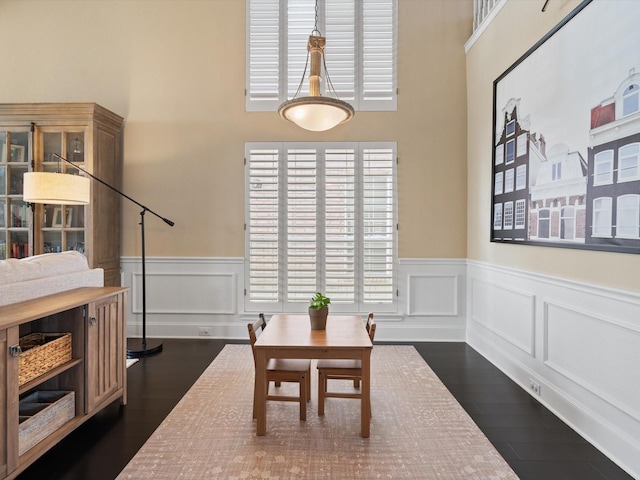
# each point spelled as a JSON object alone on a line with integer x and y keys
{"x": 56, "y": 188}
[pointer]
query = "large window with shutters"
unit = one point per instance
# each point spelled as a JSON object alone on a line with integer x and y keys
{"x": 360, "y": 53}
{"x": 320, "y": 217}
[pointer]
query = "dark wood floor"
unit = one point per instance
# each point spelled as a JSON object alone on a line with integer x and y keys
{"x": 536, "y": 444}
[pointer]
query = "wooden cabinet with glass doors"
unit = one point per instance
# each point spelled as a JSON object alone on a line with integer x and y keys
{"x": 90, "y": 137}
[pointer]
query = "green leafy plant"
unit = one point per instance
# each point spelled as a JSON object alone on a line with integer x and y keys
{"x": 319, "y": 301}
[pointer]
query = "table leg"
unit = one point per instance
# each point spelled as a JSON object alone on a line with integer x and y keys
{"x": 365, "y": 409}
{"x": 260, "y": 392}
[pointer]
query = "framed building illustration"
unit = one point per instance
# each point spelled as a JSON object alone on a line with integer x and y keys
{"x": 566, "y": 136}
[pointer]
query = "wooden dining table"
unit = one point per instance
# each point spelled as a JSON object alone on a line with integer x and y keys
{"x": 290, "y": 336}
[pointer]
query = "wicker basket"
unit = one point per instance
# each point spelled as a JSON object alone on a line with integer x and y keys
{"x": 42, "y": 352}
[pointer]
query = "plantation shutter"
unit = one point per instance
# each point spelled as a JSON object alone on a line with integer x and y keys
{"x": 263, "y": 55}
{"x": 379, "y": 225}
{"x": 263, "y": 224}
{"x": 321, "y": 217}
{"x": 360, "y": 51}
{"x": 340, "y": 52}
{"x": 340, "y": 226}
{"x": 301, "y": 225}
{"x": 300, "y": 21}
{"x": 378, "y": 56}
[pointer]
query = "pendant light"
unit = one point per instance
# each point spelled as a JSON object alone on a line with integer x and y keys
{"x": 316, "y": 112}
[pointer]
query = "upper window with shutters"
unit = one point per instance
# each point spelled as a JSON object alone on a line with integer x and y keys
{"x": 360, "y": 52}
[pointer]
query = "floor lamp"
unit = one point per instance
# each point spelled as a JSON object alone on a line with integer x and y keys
{"x": 64, "y": 189}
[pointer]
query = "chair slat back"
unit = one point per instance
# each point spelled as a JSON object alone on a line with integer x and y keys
{"x": 372, "y": 330}
{"x": 371, "y": 327}
{"x": 253, "y": 328}
{"x": 369, "y": 322}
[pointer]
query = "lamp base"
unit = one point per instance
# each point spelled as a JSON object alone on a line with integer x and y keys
{"x": 137, "y": 347}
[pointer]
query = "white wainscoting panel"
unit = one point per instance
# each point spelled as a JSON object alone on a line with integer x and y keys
{"x": 186, "y": 296}
{"x": 505, "y": 311}
{"x": 587, "y": 348}
{"x": 433, "y": 295}
{"x": 585, "y": 340}
{"x": 431, "y": 301}
{"x": 190, "y": 293}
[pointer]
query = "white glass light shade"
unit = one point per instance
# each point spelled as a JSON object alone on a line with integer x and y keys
{"x": 316, "y": 113}
{"x": 56, "y": 188}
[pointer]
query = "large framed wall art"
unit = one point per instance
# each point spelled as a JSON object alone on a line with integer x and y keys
{"x": 566, "y": 135}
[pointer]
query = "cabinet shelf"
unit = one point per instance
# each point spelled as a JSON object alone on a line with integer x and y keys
{"x": 54, "y": 372}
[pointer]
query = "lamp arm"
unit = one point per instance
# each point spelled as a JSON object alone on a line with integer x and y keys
{"x": 165, "y": 220}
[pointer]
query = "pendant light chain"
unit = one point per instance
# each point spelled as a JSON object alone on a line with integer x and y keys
{"x": 315, "y": 27}
{"x": 306, "y": 65}
{"x": 330, "y": 88}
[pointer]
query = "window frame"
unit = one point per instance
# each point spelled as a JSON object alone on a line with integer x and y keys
{"x": 520, "y": 214}
{"x": 568, "y": 222}
{"x": 622, "y": 156}
{"x": 497, "y": 216}
{"x": 509, "y": 180}
{"x": 507, "y": 216}
{"x": 498, "y": 185}
{"x": 602, "y": 158}
{"x": 521, "y": 177}
{"x": 510, "y": 128}
{"x": 635, "y": 209}
{"x": 499, "y": 155}
{"x": 630, "y": 100}
{"x": 544, "y": 219}
{"x": 510, "y": 151}
{"x": 361, "y": 75}
{"x": 607, "y": 210}
{"x": 282, "y": 305}
{"x": 521, "y": 145}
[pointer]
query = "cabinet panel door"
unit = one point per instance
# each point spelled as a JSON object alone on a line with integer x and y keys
{"x": 4, "y": 353}
{"x": 105, "y": 350}
{"x": 8, "y": 402}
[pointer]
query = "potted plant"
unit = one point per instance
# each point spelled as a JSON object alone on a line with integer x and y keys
{"x": 318, "y": 311}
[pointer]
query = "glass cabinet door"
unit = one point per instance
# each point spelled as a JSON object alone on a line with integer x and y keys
{"x": 15, "y": 214}
{"x": 62, "y": 227}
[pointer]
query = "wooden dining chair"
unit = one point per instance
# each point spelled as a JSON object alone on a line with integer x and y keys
{"x": 283, "y": 370}
{"x": 329, "y": 369}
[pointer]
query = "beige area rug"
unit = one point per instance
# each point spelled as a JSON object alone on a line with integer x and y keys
{"x": 418, "y": 430}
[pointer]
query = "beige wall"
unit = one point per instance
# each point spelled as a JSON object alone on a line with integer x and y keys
{"x": 176, "y": 71}
{"x": 495, "y": 50}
